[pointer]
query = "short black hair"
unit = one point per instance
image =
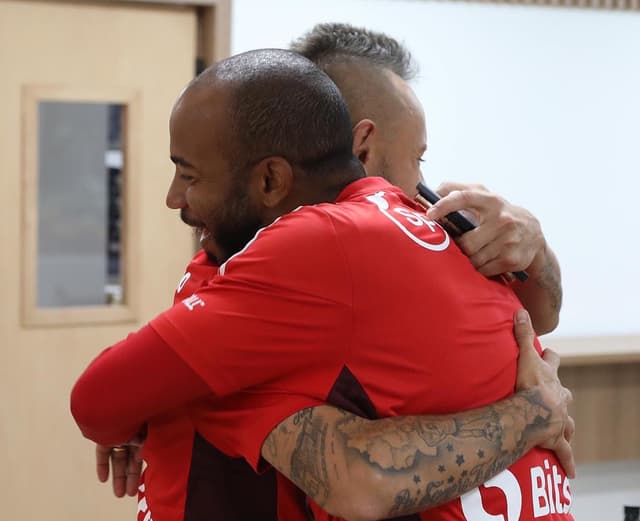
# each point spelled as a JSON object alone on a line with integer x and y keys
{"x": 284, "y": 105}
{"x": 328, "y": 42}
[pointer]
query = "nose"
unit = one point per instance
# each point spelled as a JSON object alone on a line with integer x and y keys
{"x": 176, "y": 195}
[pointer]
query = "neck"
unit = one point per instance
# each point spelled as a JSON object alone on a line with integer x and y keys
{"x": 311, "y": 189}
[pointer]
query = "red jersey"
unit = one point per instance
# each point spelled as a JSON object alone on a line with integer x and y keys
{"x": 368, "y": 305}
{"x": 186, "y": 477}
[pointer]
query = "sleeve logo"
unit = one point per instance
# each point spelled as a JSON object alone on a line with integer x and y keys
{"x": 193, "y": 301}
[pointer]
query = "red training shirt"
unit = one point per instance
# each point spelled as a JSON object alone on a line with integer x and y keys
{"x": 368, "y": 305}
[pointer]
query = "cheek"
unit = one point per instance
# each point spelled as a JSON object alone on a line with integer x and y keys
{"x": 190, "y": 198}
{"x": 199, "y": 207}
{"x": 406, "y": 165}
{"x": 409, "y": 178}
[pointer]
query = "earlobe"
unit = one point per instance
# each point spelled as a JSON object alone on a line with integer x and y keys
{"x": 363, "y": 134}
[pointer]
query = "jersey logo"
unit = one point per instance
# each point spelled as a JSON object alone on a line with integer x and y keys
{"x": 550, "y": 494}
{"x": 415, "y": 219}
{"x": 546, "y": 493}
{"x": 193, "y": 301}
{"x": 473, "y": 509}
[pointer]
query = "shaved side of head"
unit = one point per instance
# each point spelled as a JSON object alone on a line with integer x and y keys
{"x": 364, "y": 65}
{"x": 372, "y": 71}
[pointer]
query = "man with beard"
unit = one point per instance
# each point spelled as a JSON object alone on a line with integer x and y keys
{"x": 253, "y": 138}
{"x": 372, "y": 71}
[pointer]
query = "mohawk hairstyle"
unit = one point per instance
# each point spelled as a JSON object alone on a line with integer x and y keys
{"x": 329, "y": 42}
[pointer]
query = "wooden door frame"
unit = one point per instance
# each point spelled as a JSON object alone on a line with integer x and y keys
{"x": 214, "y": 23}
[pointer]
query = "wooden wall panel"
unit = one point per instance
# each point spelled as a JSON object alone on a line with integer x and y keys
{"x": 606, "y": 409}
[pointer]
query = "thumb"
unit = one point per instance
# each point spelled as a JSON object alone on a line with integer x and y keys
{"x": 523, "y": 331}
{"x": 449, "y": 186}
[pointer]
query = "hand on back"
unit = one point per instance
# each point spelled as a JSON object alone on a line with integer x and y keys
{"x": 540, "y": 374}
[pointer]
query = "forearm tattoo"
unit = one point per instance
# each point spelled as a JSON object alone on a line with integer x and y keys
{"x": 308, "y": 462}
{"x": 435, "y": 458}
{"x": 549, "y": 281}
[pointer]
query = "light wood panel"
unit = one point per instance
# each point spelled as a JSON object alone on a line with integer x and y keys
{"x": 83, "y": 49}
{"x": 577, "y": 351}
{"x": 606, "y": 409}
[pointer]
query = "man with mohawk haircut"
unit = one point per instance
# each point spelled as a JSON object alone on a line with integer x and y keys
{"x": 373, "y": 71}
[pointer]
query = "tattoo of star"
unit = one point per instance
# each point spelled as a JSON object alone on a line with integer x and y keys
{"x": 459, "y": 459}
{"x": 449, "y": 447}
{"x": 416, "y": 479}
{"x": 441, "y": 468}
{"x": 451, "y": 479}
{"x": 480, "y": 453}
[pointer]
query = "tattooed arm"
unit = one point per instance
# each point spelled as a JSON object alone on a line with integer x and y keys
{"x": 507, "y": 238}
{"x": 541, "y": 294}
{"x": 371, "y": 469}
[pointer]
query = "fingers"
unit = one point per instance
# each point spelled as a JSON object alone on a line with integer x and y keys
{"x": 564, "y": 452}
{"x": 506, "y": 238}
{"x": 449, "y": 186}
{"x": 497, "y": 247}
{"x": 119, "y": 462}
{"x": 551, "y": 357}
{"x": 532, "y": 370}
{"x": 500, "y": 243}
{"x": 480, "y": 202}
{"x": 568, "y": 396}
{"x": 134, "y": 468}
{"x": 523, "y": 331}
{"x": 570, "y": 429}
{"x": 495, "y": 259}
{"x": 126, "y": 463}
{"x": 103, "y": 455}
{"x": 475, "y": 241}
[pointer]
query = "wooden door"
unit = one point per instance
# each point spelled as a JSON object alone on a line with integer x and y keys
{"x": 62, "y": 63}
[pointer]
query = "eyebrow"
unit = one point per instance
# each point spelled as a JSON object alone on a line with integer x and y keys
{"x": 177, "y": 160}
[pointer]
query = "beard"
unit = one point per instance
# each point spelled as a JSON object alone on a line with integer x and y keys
{"x": 227, "y": 228}
{"x": 236, "y": 224}
{"x": 233, "y": 224}
{"x": 198, "y": 226}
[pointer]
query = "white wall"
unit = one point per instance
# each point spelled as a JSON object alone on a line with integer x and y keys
{"x": 601, "y": 491}
{"x": 542, "y": 105}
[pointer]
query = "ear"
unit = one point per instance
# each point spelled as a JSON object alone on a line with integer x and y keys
{"x": 274, "y": 178}
{"x": 363, "y": 136}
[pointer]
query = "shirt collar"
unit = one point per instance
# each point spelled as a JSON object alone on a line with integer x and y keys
{"x": 365, "y": 186}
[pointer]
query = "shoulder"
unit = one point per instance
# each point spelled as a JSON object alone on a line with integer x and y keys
{"x": 294, "y": 239}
